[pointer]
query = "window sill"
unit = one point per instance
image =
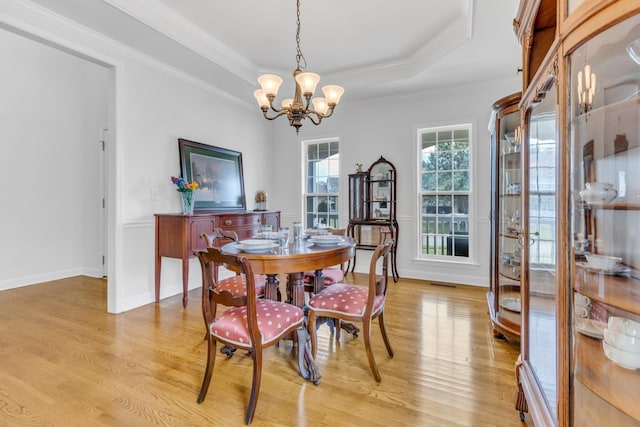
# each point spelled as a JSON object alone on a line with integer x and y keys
{"x": 445, "y": 262}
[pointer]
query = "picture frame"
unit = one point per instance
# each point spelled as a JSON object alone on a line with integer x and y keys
{"x": 218, "y": 171}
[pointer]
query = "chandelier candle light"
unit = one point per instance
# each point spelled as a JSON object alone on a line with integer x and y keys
{"x": 586, "y": 92}
{"x": 306, "y": 84}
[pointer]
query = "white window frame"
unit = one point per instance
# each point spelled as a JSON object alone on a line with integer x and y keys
{"x": 305, "y": 178}
{"x": 472, "y": 215}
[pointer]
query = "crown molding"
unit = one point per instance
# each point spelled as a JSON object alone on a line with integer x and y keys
{"x": 164, "y": 20}
{"x": 458, "y": 31}
{"x": 36, "y": 22}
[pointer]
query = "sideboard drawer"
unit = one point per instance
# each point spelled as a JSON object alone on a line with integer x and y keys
{"x": 234, "y": 221}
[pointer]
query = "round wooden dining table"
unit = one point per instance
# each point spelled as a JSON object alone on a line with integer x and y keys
{"x": 293, "y": 260}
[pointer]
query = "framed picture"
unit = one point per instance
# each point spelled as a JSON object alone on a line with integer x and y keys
{"x": 219, "y": 173}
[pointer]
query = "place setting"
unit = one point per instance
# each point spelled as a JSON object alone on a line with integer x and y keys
{"x": 326, "y": 240}
{"x": 257, "y": 246}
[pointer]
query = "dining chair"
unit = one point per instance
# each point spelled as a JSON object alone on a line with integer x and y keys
{"x": 247, "y": 323}
{"x": 330, "y": 275}
{"x": 234, "y": 284}
{"x": 356, "y": 303}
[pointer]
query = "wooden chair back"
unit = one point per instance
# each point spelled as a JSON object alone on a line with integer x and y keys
{"x": 379, "y": 273}
{"x": 217, "y": 238}
{"x": 212, "y": 258}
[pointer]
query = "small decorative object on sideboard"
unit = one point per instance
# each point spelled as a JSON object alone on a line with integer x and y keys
{"x": 261, "y": 201}
{"x": 186, "y": 190}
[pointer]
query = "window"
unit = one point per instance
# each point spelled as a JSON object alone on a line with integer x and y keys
{"x": 322, "y": 175}
{"x": 444, "y": 191}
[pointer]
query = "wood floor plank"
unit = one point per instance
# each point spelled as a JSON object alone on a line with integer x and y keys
{"x": 66, "y": 362}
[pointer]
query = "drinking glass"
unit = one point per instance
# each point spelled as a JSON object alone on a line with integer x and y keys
{"x": 297, "y": 230}
{"x": 266, "y": 228}
{"x": 322, "y": 229}
{"x": 284, "y": 237}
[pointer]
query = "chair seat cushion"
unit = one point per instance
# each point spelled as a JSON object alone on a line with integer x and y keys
{"x": 329, "y": 275}
{"x": 237, "y": 285}
{"x": 274, "y": 318}
{"x": 343, "y": 298}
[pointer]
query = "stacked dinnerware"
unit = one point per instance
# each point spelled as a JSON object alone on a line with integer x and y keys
{"x": 622, "y": 342}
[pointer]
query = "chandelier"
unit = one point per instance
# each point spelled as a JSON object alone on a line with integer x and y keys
{"x": 586, "y": 89}
{"x": 295, "y": 109}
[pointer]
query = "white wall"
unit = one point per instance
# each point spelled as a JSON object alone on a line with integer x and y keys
{"x": 148, "y": 107}
{"x": 53, "y": 107}
{"x": 387, "y": 127}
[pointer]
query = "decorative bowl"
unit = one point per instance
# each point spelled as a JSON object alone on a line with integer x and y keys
{"x": 624, "y": 326}
{"x": 603, "y": 262}
{"x": 621, "y": 358}
{"x": 621, "y": 341}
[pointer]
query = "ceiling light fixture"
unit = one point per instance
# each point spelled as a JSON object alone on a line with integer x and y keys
{"x": 306, "y": 83}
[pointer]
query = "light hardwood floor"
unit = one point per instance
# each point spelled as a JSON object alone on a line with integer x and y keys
{"x": 65, "y": 362}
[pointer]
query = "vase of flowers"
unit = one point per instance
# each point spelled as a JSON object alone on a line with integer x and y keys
{"x": 186, "y": 190}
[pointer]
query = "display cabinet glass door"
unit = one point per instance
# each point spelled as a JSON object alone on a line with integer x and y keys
{"x": 356, "y": 195}
{"x": 540, "y": 245}
{"x": 380, "y": 199}
{"x": 604, "y": 135}
{"x": 504, "y": 294}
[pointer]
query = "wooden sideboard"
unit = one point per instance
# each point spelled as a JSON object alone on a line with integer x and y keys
{"x": 178, "y": 236}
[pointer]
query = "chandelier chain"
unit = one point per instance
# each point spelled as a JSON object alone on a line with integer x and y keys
{"x": 299, "y": 55}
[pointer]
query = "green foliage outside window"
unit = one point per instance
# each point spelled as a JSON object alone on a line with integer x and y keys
{"x": 444, "y": 192}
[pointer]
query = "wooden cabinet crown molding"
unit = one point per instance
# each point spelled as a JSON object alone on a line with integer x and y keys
{"x": 536, "y": 29}
{"x": 543, "y": 80}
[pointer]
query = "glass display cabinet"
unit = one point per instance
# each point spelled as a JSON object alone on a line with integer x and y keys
{"x": 580, "y": 341}
{"x": 372, "y": 209}
{"x": 503, "y": 297}
{"x": 604, "y": 135}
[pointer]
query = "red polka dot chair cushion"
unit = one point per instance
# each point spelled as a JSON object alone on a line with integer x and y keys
{"x": 329, "y": 275}
{"x": 274, "y": 318}
{"x": 342, "y": 298}
{"x": 237, "y": 285}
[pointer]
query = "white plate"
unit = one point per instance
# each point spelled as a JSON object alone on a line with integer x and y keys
{"x": 255, "y": 243}
{"x": 257, "y": 250}
{"x": 590, "y": 327}
{"x": 618, "y": 271}
{"x": 329, "y": 240}
{"x": 511, "y": 304}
